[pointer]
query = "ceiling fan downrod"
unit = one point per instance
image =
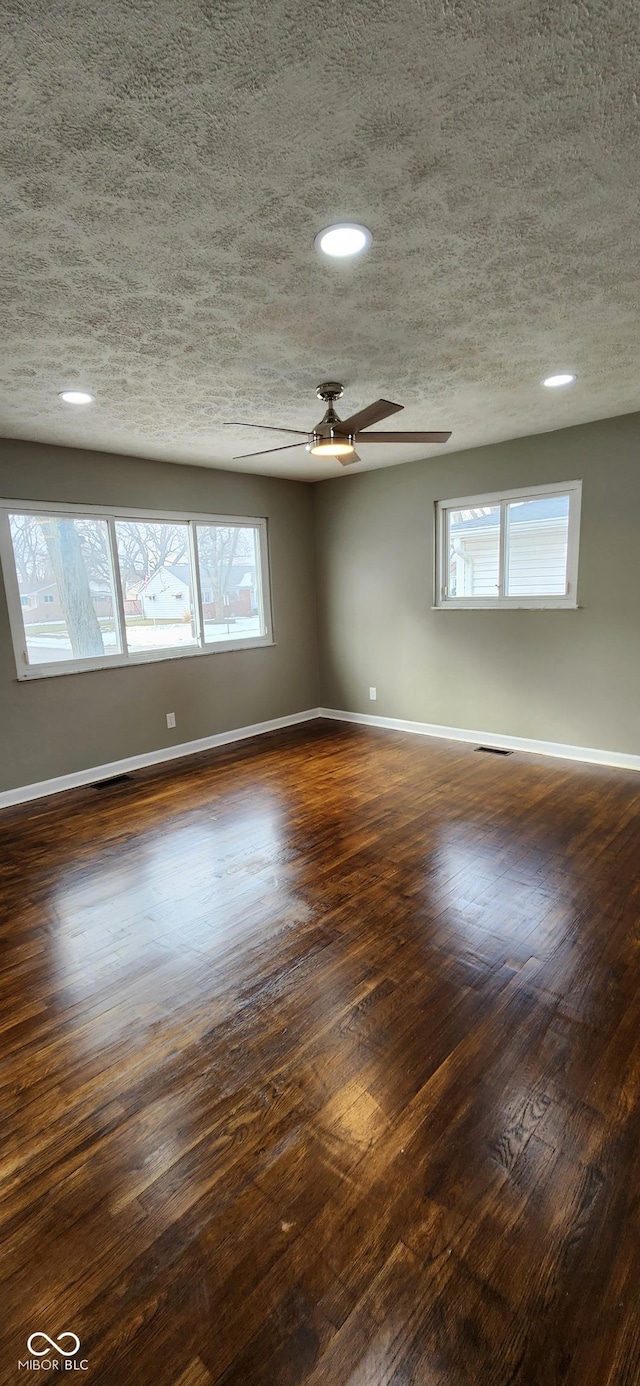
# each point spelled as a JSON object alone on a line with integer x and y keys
{"x": 329, "y": 391}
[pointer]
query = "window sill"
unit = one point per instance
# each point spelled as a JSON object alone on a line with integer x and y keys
{"x": 523, "y": 605}
{"x": 47, "y": 671}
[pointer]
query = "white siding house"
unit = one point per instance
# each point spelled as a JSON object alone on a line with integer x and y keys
{"x": 537, "y": 532}
{"x": 165, "y": 596}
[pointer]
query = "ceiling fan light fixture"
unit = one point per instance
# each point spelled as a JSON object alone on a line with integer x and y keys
{"x": 331, "y": 447}
{"x": 343, "y": 239}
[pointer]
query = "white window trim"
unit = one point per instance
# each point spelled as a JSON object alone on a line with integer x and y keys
{"x": 124, "y": 659}
{"x": 502, "y": 602}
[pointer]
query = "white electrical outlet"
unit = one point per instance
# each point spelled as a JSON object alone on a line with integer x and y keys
{"x": 171, "y": 719}
{"x": 373, "y": 693}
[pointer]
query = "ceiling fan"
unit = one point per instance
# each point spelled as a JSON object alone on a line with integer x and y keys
{"x": 334, "y": 437}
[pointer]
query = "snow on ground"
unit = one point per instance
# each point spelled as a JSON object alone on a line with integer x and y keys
{"x": 55, "y": 647}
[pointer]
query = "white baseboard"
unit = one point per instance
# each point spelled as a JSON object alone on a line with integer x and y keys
{"x": 619, "y": 759}
{"x": 121, "y": 767}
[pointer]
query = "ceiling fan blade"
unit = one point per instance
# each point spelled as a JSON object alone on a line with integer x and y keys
{"x": 263, "y": 451}
{"x": 272, "y": 427}
{"x": 373, "y": 413}
{"x": 346, "y": 461}
{"x": 402, "y": 437}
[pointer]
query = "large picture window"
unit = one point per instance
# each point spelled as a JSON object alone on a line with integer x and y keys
{"x": 517, "y": 549}
{"x": 88, "y": 589}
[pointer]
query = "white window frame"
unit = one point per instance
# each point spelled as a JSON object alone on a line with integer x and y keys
{"x": 124, "y": 658}
{"x": 502, "y": 601}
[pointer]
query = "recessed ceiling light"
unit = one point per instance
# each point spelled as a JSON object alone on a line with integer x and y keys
{"x": 347, "y": 238}
{"x": 75, "y": 397}
{"x": 553, "y": 382}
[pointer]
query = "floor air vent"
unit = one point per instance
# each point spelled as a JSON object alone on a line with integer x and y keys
{"x": 494, "y": 750}
{"x": 115, "y": 779}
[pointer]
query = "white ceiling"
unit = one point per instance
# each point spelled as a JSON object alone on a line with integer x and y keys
{"x": 167, "y": 165}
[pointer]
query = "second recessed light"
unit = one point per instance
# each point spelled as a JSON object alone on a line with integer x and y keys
{"x": 345, "y": 238}
{"x": 76, "y": 396}
{"x": 553, "y": 382}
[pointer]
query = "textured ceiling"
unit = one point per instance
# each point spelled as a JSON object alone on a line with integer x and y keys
{"x": 167, "y": 164}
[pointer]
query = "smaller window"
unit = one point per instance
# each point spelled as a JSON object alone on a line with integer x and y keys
{"x": 48, "y": 597}
{"x": 515, "y": 549}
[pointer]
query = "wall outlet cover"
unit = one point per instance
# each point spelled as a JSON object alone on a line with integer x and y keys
{"x": 373, "y": 693}
{"x": 171, "y": 719}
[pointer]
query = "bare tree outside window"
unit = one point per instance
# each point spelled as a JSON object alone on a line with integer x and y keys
{"x": 145, "y": 546}
{"x": 67, "y": 565}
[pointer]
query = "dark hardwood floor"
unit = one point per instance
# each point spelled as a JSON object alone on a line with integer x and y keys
{"x": 320, "y": 1063}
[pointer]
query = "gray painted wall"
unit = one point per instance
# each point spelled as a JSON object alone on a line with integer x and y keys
{"x": 567, "y": 676}
{"x": 54, "y": 726}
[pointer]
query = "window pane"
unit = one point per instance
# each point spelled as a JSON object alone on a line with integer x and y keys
{"x": 229, "y": 559}
{"x": 537, "y": 546}
{"x": 474, "y": 552}
{"x": 66, "y": 587}
{"x": 156, "y": 585}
